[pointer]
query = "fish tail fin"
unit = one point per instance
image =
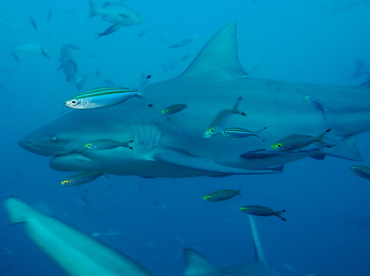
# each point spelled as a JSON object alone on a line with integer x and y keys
{"x": 80, "y": 82}
{"x": 127, "y": 144}
{"x": 320, "y": 138}
{"x": 235, "y": 108}
{"x": 278, "y": 214}
{"x": 360, "y": 69}
{"x": 92, "y": 9}
{"x": 43, "y": 52}
{"x": 18, "y": 210}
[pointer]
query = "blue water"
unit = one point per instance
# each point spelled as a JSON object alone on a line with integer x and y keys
{"x": 290, "y": 40}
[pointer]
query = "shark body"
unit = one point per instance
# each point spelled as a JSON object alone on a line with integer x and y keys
{"x": 79, "y": 254}
{"x": 174, "y": 146}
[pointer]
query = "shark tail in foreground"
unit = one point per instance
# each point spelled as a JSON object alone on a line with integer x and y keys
{"x": 75, "y": 252}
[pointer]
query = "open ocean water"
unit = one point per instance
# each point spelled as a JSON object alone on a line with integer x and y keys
{"x": 327, "y": 231}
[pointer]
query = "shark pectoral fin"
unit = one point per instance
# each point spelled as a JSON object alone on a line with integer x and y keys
{"x": 218, "y": 58}
{"x": 197, "y": 265}
{"x": 75, "y": 252}
{"x": 346, "y": 149}
{"x": 198, "y": 163}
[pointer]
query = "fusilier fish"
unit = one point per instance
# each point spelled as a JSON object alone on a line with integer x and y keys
{"x": 297, "y": 141}
{"x": 173, "y": 109}
{"x": 237, "y": 132}
{"x": 317, "y": 104}
{"x": 116, "y": 13}
{"x": 362, "y": 171}
{"x": 106, "y": 144}
{"x": 258, "y": 210}
{"x": 81, "y": 178}
{"x": 221, "y": 120}
{"x": 109, "y": 30}
{"x": 104, "y": 96}
{"x": 221, "y": 195}
{"x": 33, "y": 23}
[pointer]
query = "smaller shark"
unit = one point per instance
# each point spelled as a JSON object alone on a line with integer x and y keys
{"x": 78, "y": 254}
{"x": 197, "y": 265}
{"x": 69, "y": 66}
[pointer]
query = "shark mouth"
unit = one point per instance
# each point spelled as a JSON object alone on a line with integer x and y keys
{"x": 74, "y": 161}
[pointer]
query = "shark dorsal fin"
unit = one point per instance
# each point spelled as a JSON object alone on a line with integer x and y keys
{"x": 259, "y": 256}
{"x": 197, "y": 265}
{"x": 218, "y": 58}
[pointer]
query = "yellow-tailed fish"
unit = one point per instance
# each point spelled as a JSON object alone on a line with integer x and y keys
{"x": 106, "y": 144}
{"x": 362, "y": 171}
{"x": 173, "y": 109}
{"x": 237, "y": 132}
{"x": 258, "y": 210}
{"x": 297, "y": 141}
{"x": 81, "y": 178}
{"x": 221, "y": 195}
{"x": 104, "y": 96}
{"x": 221, "y": 119}
{"x": 317, "y": 104}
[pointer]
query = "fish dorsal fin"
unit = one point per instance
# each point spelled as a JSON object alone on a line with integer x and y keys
{"x": 259, "y": 256}
{"x": 197, "y": 265}
{"x": 218, "y": 58}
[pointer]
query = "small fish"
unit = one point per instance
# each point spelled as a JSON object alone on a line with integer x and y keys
{"x": 236, "y": 132}
{"x": 221, "y": 195}
{"x": 104, "y": 96}
{"x": 109, "y": 30}
{"x": 110, "y": 233}
{"x": 33, "y": 23}
{"x": 105, "y": 144}
{"x": 184, "y": 42}
{"x": 316, "y": 103}
{"x": 110, "y": 82}
{"x": 263, "y": 153}
{"x": 360, "y": 170}
{"x": 221, "y": 119}
{"x": 50, "y": 12}
{"x": 7, "y": 72}
{"x": 144, "y": 32}
{"x": 84, "y": 199}
{"x": 297, "y": 141}
{"x": 81, "y": 178}
{"x": 263, "y": 211}
{"x": 173, "y": 109}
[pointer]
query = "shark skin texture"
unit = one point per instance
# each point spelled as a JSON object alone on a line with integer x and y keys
{"x": 174, "y": 145}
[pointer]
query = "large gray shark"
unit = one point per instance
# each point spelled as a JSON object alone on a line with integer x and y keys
{"x": 174, "y": 145}
{"x": 75, "y": 252}
{"x": 197, "y": 265}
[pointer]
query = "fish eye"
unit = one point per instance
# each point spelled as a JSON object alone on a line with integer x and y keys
{"x": 211, "y": 130}
{"x": 53, "y": 139}
{"x": 278, "y": 146}
{"x": 207, "y": 197}
{"x": 88, "y": 145}
{"x": 64, "y": 182}
{"x": 164, "y": 111}
{"x": 74, "y": 101}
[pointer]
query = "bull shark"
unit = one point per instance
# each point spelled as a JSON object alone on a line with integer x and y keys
{"x": 69, "y": 66}
{"x": 174, "y": 146}
{"x": 78, "y": 254}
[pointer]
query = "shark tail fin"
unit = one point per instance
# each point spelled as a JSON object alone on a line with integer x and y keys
{"x": 80, "y": 82}
{"x": 259, "y": 256}
{"x": 360, "y": 69}
{"x": 18, "y": 210}
{"x": 197, "y": 265}
{"x": 92, "y": 9}
{"x": 346, "y": 149}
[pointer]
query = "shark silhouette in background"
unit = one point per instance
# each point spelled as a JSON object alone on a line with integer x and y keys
{"x": 174, "y": 145}
{"x": 79, "y": 254}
